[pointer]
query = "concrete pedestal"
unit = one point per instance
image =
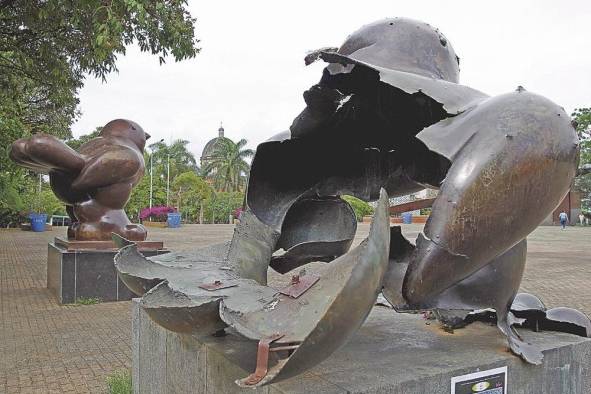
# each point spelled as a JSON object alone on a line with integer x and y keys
{"x": 391, "y": 353}
{"x": 75, "y": 274}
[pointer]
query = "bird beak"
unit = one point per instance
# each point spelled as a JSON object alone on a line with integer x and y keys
{"x": 147, "y": 136}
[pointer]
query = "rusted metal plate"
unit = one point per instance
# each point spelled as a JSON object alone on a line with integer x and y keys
{"x": 412, "y": 206}
{"x": 262, "y": 360}
{"x": 299, "y": 285}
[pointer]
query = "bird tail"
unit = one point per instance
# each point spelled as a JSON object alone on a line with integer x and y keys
{"x": 44, "y": 153}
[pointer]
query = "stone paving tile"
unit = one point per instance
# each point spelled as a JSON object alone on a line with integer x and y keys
{"x": 48, "y": 348}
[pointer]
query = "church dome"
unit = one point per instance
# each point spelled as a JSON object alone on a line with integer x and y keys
{"x": 211, "y": 147}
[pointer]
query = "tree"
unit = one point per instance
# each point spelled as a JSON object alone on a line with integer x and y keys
{"x": 16, "y": 187}
{"x": 228, "y": 167}
{"x": 219, "y": 206}
{"x": 140, "y": 195}
{"x": 582, "y": 121}
{"x": 189, "y": 193}
{"x": 38, "y": 197}
{"x": 181, "y": 159}
{"x": 48, "y": 46}
{"x": 76, "y": 143}
{"x": 360, "y": 207}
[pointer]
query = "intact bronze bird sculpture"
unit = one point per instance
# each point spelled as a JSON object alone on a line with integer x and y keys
{"x": 95, "y": 183}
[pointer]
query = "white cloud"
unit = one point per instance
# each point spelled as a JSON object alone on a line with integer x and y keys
{"x": 251, "y": 72}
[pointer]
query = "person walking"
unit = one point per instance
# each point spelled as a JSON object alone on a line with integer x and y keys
{"x": 581, "y": 218}
{"x": 563, "y": 219}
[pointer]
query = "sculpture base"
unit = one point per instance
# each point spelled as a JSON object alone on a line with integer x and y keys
{"x": 70, "y": 245}
{"x": 83, "y": 273}
{"x": 391, "y": 353}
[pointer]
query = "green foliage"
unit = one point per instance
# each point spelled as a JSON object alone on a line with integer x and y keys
{"x": 43, "y": 201}
{"x": 426, "y": 211}
{"x": 76, "y": 143}
{"x": 219, "y": 206}
{"x": 46, "y": 202}
{"x": 21, "y": 194}
{"x": 88, "y": 301}
{"x": 189, "y": 192}
{"x": 177, "y": 154}
{"x": 181, "y": 161}
{"x": 55, "y": 42}
{"x": 120, "y": 382}
{"x": 14, "y": 187}
{"x": 48, "y": 46}
{"x": 582, "y": 117}
{"x": 140, "y": 196}
{"x": 11, "y": 218}
{"x": 360, "y": 207}
{"x": 228, "y": 168}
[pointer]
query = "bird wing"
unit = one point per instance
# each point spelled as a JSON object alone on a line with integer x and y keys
{"x": 115, "y": 165}
{"x": 43, "y": 153}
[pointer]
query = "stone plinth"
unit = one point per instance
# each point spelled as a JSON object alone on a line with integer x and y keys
{"x": 86, "y": 273}
{"x": 391, "y": 353}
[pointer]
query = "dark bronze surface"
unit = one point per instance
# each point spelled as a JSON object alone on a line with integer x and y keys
{"x": 95, "y": 182}
{"x": 387, "y": 118}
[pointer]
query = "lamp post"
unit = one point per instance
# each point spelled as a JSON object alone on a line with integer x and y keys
{"x": 151, "y": 180}
{"x": 167, "y": 179}
{"x": 168, "y": 171}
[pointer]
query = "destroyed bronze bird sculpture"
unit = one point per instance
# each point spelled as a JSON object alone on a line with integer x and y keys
{"x": 387, "y": 118}
{"x": 95, "y": 182}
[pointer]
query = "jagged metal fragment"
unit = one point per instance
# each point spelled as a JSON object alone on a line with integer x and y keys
{"x": 453, "y": 98}
{"x": 326, "y": 315}
{"x": 387, "y": 118}
{"x": 469, "y": 226}
{"x": 318, "y": 321}
{"x": 314, "y": 230}
{"x": 567, "y": 320}
{"x": 526, "y": 304}
{"x": 535, "y": 315}
{"x": 478, "y": 291}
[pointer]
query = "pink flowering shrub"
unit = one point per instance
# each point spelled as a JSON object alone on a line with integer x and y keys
{"x": 158, "y": 213}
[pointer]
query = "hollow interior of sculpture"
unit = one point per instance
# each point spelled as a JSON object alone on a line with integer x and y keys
{"x": 357, "y": 134}
{"x": 314, "y": 229}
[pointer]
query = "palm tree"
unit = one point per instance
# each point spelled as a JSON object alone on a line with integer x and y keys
{"x": 228, "y": 167}
{"x": 181, "y": 159}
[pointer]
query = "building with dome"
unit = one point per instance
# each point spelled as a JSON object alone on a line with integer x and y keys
{"x": 210, "y": 148}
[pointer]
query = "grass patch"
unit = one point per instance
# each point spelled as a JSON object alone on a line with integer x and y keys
{"x": 119, "y": 382}
{"x": 87, "y": 301}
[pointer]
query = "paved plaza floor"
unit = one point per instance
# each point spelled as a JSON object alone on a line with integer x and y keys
{"x": 48, "y": 348}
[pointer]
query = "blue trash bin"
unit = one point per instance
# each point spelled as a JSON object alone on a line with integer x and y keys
{"x": 174, "y": 220}
{"x": 38, "y": 222}
{"x": 407, "y": 217}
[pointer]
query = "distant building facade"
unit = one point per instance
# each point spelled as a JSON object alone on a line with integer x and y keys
{"x": 571, "y": 204}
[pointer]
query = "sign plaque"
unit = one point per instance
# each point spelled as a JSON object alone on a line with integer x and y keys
{"x": 491, "y": 381}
